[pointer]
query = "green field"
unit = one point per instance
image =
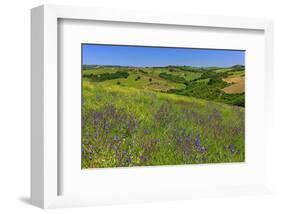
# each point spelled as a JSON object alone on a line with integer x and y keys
{"x": 160, "y": 116}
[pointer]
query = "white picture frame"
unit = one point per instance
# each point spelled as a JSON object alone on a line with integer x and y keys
{"x": 45, "y": 97}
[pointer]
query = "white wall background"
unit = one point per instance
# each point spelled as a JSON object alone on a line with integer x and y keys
{"x": 15, "y": 112}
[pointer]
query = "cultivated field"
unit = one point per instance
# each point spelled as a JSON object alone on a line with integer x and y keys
{"x": 237, "y": 85}
{"x": 161, "y": 116}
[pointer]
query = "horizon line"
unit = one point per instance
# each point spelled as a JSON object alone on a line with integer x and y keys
{"x": 163, "y": 65}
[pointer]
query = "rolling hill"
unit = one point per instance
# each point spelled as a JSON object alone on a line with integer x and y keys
{"x": 161, "y": 116}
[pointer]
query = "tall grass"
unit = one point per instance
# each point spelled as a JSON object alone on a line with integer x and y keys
{"x": 124, "y": 126}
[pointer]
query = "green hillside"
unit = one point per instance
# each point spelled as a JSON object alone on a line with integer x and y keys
{"x": 161, "y": 116}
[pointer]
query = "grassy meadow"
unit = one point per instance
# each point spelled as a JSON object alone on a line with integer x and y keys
{"x": 148, "y": 116}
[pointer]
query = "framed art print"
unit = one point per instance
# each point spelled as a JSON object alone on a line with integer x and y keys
{"x": 131, "y": 106}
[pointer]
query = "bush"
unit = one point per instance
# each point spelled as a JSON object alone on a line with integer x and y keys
{"x": 171, "y": 77}
{"x": 211, "y": 90}
{"x": 106, "y": 76}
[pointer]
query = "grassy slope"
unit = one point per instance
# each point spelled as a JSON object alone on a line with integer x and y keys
{"x": 125, "y": 126}
{"x": 156, "y": 83}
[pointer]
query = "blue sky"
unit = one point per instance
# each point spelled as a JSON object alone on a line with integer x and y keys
{"x": 157, "y": 56}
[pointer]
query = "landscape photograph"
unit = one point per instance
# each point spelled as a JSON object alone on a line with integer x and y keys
{"x": 157, "y": 106}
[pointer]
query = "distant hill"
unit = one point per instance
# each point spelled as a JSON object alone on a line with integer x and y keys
{"x": 177, "y": 67}
{"x": 220, "y": 84}
{"x": 238, "y": 67}
{"x": 88, "y": 67}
